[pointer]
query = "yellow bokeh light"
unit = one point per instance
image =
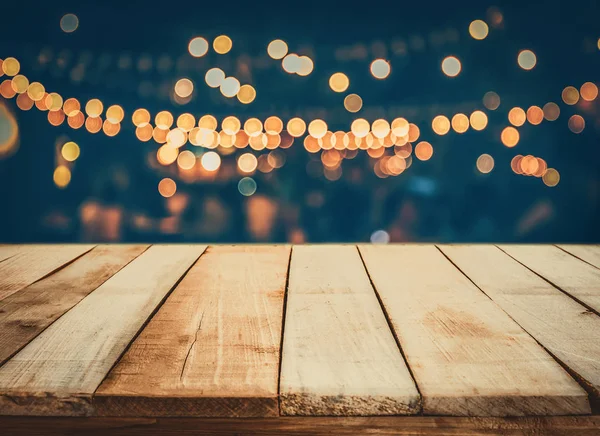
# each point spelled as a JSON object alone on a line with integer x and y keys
{"x": 478, "y": 120}
{"x": 70, "y": 151}
{"x": 380, "y": 69}
{"x": 167, "y": 154}
{"x": 211, "y": 161}
{"x": 163, "y": 120}
{"x": 440, "y": 125}
{"x": 570, "y": 95}
{"x": 400, "y": 127}
{"x": 94, "y": 108}
{"x": 11, "y": 66}
{"x": 460, "y": 123}
{"x": 246, "y": 94}
{"x": 69, "y": 23}
{"x": 485, "y": 163}
{"x": 214, "y": 77}
{"x": 41, "y": 104}
{"x": 167, "y": 187}
{"x": 186, "y": 122}
{"x": 517, "y": 116}
{"x": 141, "y": 117}
{"x": 247, "y": 163}
{"x": 360, "y": 127}
{"x": 526, "y": 59}
{"x": 54, "y": 102}
{"x": 381, "y": 128}
{"x": 551, "y": 177}
{"x": 184, "y": 88}
{"x": 273, "y": 125}
{"x": 535, "y": 115}
{"x": 9, "y": 132}
{"x": 115, "y": 114}
{"x": 510, "y": 136}
{"x": 306, "y": 66}
{"x": 230, "y": 87}
{"x": 231, "y": 125}
{"x": 491, "y": 100}
{"x": 62, "y": 176}
{"x": 71, "y": 106}
{"x": 576, "y": 124}
{"x": 451, "y": 66}
{"x": 478, "y": 29}
{"x": 291, "y": 63}
{"x": 186, "y": 160}
{"x": 207, "y": 122}
{"x": 317, "y": 128}
{"x": 353, "y": 103}
{"x": 277, "y": 49}
{"x": 551, "y": 111}
{"x": 198, "y": 47}
{"x": 253, "y": 127}
{"x": 296, "y": 127}
{"x": 589, "y": 91}
{"x": 339, "y": 82}
{"x": 20, "y": 83}
{"x": 222, "y": 44}
{"x": 423, "y": 151}
{"x": 36, "y": 91}
{"x": 144, "y": 133}
{"x": 176, "y": 138}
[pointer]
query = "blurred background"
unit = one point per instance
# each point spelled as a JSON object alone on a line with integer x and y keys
{"x": 300, "y": 122}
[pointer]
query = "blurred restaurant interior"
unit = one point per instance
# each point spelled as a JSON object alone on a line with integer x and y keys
{"x": 461, "y": 121}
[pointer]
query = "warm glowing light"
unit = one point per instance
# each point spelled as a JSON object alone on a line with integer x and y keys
{"x": 222, "y": 44}
{"x": 211, "y": 161}
{"x": 259, "y": 142}
{"x": 111, "y": 129}
{"x": 291, "y": 63}
{"x": 144, "y": 133}
{"x": 570, "y": 95}
{"x": 24, "y": 102}
{"x": 41, "y": 104}
{"x": 478, "y": 120}
{"x": 140, "y": 117}
{"x": 535, "y": 115}
{"x": 440, "y": 125}
{"x": 273, "y": 125}
{"x": 11, "y": 67}
{"x": 339, "y": 82}
{"x": 306, "y": 66}
{"x": 186, "y": 122}
{"x": 510, "y": 136}
{"x": 311, "y": 144}
{"x": 214, "y": 77}
{"x": 380, "y": 68}
{"x": 20, "y": 83}
{"x": 460, "y": 123}
{"x": 478, "y": 29}
{"x": 551, "y": 111}
{"x": 56, "y": 118}
{"x": 167, "y": 187}
{"x": 360, "y": 127}
{"x": 94, "y": 108}
{"x": 76, "y": 121}
{"x": 413, "y": 132}
{"x": 253, "y": 127}
{"x": 247, "y": 186}
{"x": 71, "y": 106}
{"x": 198, "y": 47}
{"x": 62, "y": 176}
{"x": 166, "y": 154}
{"x": 491, "y": 100}
{"x": 247, "y": 163}
{"x": 92, "y": 125}
{"x": 9, "y": 133}
{"x": 576, "y": 124}
{"x": 70, "y": 151}
{"x": 526, "y": 59}
{"x": 246, "y": 94}
{"x": 36, "y": 91}
{"x": 69, "y": 23}
{"x": 485, "y": 163}
{"x": 163, "y": 120}
{"x": 176, "y": 138}
{"x": 317, "y": 128}
{"x": 380, "y": 128}
{"x": 400, "y": 127}
{"x": 115, "y": 114}
{"x": 517, "y": 116}
{"x": 277, "y": 49}
{"x": 207, "y": 122}
{"x": 451, "y": 66}
{"x": 186, "y": 160}
{"x": 54, "y": 102}
{"x": 353, "y": 103}
{"x": 230, "y": 87}
{"x": 296, "y": 127}
{"x": 6, "y": 89}
{"x": 184, "y": 88}
{"x": 589, "y": 91}
{"x": 551, "y": 177}
{"x": 231, "y": 125}
{"x": 423, "y": 151}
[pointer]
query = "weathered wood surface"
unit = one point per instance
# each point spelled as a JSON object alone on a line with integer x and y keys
{"x": 467, "y": 355}
{"x": 561, "y": 325}
{"x": 351, "y": 426}
{"x": 573, "y": 276}
{"x": 587, "y": 253}
{"x": 57, "y": 372}
{"x": 32, "y": 263}
{"x": 25, "y": 314}
{"x": 339, "y": 356}
{"x": 213, "y": 347}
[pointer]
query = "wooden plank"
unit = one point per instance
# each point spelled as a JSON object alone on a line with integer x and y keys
{"x": 7, "y": 251}
{"x": 381, "y": 425}
{"x": 561, "y": 325}
{"x": 24, "y": 314}
{"x": 468, "y": 357}
{"x": 213, "y": 347}
{"x": 57, "y": 372}
{"x": 587, "y": 253}
{"x": 339, "y": 355}
{"x": 573, "y": 276}
{"x": 33, "y": 263}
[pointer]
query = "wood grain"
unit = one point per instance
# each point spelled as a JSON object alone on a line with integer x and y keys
{"x": 7, "y": 251}
{"x": 24, "y": 314}
{"x": 467, "y": 356}
{"x": 560, "y": 324}
{"x": 57, "y": 372}
{"x": 31, "y": 263}
{"x": 587, "y": 253}
{"x": 213, "y": 347}
{"x": 339, "y": 355}
{"x": 573, "y": 276}
{"x": 351, "y": 426}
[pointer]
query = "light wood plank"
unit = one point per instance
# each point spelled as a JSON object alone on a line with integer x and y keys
{"x": 468, "y": 357}
{"x": 573, "y": 276}
{"x": 32, "y": 263}
{"x": 339, "y": 355}
{"x": 587, "y": 253}
{"x": 57, "y": 372}
{"x": 7, "y": 251}
{"x": 213, "y": 347}
{"x": 564, "y": 327}
{"x": 24, "y": 314}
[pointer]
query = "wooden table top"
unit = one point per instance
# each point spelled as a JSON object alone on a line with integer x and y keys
{"x": 252, "y": 331}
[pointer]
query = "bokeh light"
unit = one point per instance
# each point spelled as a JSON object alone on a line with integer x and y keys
{"x": 163, "y": 120}
{"x": 277, "y": 49}
{"x": 54, "y": 102}
{"x": 11, "y": 66}
{"x": 214, "y": 77}
{"x": 222, "y": 44}
{"x": 576, "y": 124}
{"x": 551, "y": 177}
{"x": 230, "y": 87}
{"x": 353, "y": 103}
{"x": 485, "y": 163}
{"x": 186, "y": 160}
{"x": 70, "y": 151}
{"x": 141, "y": 117}
{"x": 440, "y": 125}
{"x": 247, "y": 163}
{"x": 36, "y": 91}
{"x": 451, "y": 66}
{"x": 317, "y": 128}
{"x": 589, "y": 91}
{"x": 273, "y": 125}
{"x": 510, "y": 136}
{"x": 69, "y": 23}
{"x": 184, "y": 88}
{"x": 186, "y": 122}
{"x": 62, "y": 176}
{"x": 380, "y": 69}
{"x": 115, "y": 114}
{"x": 167, "y": 187}
{"x": 291, "y": 63}
{"x": 198, "y": 47}
{"x": 460, "y": 123}
{"x": 247, "y": 186}
{"x": 9, "y": 133}
{"x": 491, "y": 100}
{"x": 527, "y": 59}
{"x": 76, "y": 121}
{"x": 570, "y": 95}
{"x": 111, "y": 129}
{"x": 380, "y": 237}
{"x": 211, "y": 161}
{"x": 296, "y": 127}
{"x": 478, "y": 29}
{"x": 306, "y": 66}
{"x": 246, "y": 94}
{"x": 535, "y": 115}
{"x": 20, "y": 83}
{"x": 360, "y": 127}
{"x": 24, "y": 102}
{"x": 339, "y": 82}
{"x": 517, "y": 116}
{"x": 423, "y": 151}
{"x": 478, "y": 120}
{"x": 551, "y": 111}
{"x": 94, "y": 108}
